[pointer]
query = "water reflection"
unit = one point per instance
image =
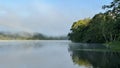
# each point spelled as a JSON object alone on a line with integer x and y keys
{"x": 54, "y": 54}
{"x": 94, "y": 56}
{"x": 20, "y": 45}
{"x": 35, "y": 54}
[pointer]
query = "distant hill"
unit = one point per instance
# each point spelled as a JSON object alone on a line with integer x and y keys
{"x": 28, "y": 36}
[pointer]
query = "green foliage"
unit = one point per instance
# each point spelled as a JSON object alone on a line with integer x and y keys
{"x": 103, "y": 27}
{"x": 78, "y": 29}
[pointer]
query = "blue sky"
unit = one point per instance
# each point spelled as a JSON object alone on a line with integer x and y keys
{"x": 50, "y": 17}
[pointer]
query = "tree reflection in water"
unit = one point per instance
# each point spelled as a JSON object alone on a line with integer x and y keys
{"x": 94, "y": 56}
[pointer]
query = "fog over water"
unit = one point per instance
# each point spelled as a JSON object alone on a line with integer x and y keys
{"x": 49, "y": 17}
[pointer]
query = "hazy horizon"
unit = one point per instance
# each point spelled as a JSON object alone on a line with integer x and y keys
{"x": 49, "y": 17}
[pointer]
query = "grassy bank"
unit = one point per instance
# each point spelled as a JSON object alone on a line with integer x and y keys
{"x": 113, "y": 45}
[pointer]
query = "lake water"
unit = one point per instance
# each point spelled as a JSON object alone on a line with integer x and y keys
{"x": 56, "y": 54}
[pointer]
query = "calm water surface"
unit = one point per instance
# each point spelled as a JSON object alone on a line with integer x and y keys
{"x": 56, "y": 54}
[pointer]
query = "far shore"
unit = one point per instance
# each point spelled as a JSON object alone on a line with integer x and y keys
{"x": 29, "y": 40}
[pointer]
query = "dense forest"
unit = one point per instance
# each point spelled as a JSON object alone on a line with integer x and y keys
{"x": 27, "y": 36}
{"x": 103, "y": 27}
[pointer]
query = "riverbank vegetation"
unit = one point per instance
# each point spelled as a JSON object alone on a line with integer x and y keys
{"x": 102, "y": 28}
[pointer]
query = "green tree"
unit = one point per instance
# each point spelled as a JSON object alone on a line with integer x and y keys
{"x": 103, "y": 27}
{"x": 114, "y": 11}
{"x": 78, "y": 30}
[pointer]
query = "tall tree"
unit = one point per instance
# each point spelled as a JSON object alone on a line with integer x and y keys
{"x": 78, "y": 30}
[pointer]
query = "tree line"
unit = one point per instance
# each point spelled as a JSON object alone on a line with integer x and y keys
{"x": 103, "y": 27}
{"x": 28, "y": 36}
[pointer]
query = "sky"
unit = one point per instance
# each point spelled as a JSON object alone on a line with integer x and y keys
{"x": 49, "y": 17}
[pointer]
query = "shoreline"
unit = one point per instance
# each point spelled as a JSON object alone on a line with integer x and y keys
{"x": 32, "y": 40}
